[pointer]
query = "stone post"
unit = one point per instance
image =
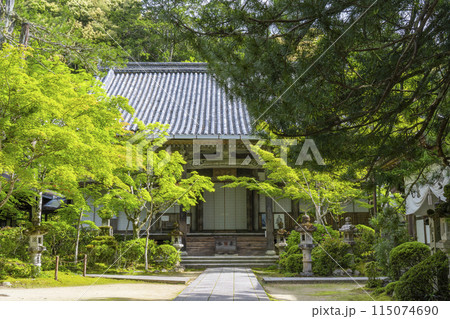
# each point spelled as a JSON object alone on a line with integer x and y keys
{"x": 306, "y": 244}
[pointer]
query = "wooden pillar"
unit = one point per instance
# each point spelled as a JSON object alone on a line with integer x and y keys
{"x": 249, "y": 210}
{"x": 295, "y": 205}
{"x": 255, "y": 210}
{"x": 200, "y": 216}
{"x": 269, "y": 227}
{"x": 183, "y": 218}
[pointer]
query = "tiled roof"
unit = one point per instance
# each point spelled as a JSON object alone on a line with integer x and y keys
{"x": 183, "y": 95}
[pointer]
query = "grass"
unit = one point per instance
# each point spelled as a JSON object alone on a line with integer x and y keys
{"x": 65, "y": 279}
{"x": 322, "y": 292}
{"x": 316, "y": 291}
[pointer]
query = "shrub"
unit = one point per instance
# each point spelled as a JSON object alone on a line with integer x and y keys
{"x": 364, "y": 242}
{"x": 293, "y": 239}
{"x": 167, "y": 257}
{"x": 329, "y": 254}
{"x": 133, "y": 251}
{"x": 14, "y": 243}
{"x": 321, "y": 234}
{"x": 60, "y": 238}
{"x": 428, "y": 280}
{"x": 16, "y": 268}
{"x": 405, "y": 256}
{"x": 390, "y": 287}
{"x": 393, "y": 232}
{"x": 102, "y": 250}
{"x": 373, "y": 272}
{"x": 294, "y": 263}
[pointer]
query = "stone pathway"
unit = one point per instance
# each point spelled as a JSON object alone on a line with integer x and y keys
{"x": 224, "y": 284}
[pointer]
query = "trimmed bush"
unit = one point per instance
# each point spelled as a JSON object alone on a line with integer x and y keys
{"x": 102, "y": 249}
{"x": 326, "y": 258}
{"x": 365, "y": 240}
{"x": 405, "y": 256}
{"x": 293, "y": 239}
{"x": 167, "y": 256}
{"x": 16, "y": 268}
{"x": 390, "y": 287}
{"x": 321, "y": 234}
{"x": 132, "y": 251}
{"x": 294, "y": 263}
{"x": 425, "y": 281}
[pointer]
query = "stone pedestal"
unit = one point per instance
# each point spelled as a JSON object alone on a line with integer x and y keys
{"x": 306, "y": 244}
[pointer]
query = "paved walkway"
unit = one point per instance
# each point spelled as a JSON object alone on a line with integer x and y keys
{"x": 224, "y": 284}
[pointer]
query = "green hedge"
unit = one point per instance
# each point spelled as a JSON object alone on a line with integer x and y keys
{"x": 331, "y": 254}
{"x": 294, "y": 263}
{"x": 133, "y": 251}
{"x": 405, "y": 256}
{"x": 427, "y": 280}
{"x": 167, "y": 256}
{"x": 103, "y": 249}
{"x": 15, "y": 268}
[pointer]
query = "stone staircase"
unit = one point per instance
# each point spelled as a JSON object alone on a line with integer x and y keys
{"x": 228, "y": 261}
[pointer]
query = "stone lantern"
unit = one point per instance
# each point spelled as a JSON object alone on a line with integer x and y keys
{"x": 281, "y": 240}
{"x": 306, "y": 244}
{"x": 177, "y": 238}
{"x": 349, "y": 231}
{"x": 36, "y": 247}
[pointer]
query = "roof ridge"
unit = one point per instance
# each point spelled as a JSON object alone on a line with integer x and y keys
{"x": 164, "y": 67}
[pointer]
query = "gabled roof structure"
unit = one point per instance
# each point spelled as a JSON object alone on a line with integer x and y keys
{"x": 183, "y": 95}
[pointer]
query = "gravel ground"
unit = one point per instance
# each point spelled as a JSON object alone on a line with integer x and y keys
{"x": 134, "y": 292}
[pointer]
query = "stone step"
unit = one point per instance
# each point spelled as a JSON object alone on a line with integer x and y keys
{"x": 228, "y": 261}
{"x": 216, "y": 265}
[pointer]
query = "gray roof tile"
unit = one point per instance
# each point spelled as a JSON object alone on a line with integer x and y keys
{"x": 183, "y": 95}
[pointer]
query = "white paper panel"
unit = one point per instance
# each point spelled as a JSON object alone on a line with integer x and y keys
{"x": 230, "y": 208}
{"x": 208, "y": 211}
{"x": 282, "y": 205}
{"x": 241, "y": 208}
{"x": 420, "y": 233}
{"x": 219, "y": 207}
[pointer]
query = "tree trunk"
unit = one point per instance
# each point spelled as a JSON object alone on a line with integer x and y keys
{"x": 6, "y": 20}
{"x": 78, "y": 237}
{"x": 146, "y": 249}
{"x": 24, "y": 34}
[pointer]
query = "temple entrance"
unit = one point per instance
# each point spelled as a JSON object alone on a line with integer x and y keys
{"x": 225, "y": 209}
